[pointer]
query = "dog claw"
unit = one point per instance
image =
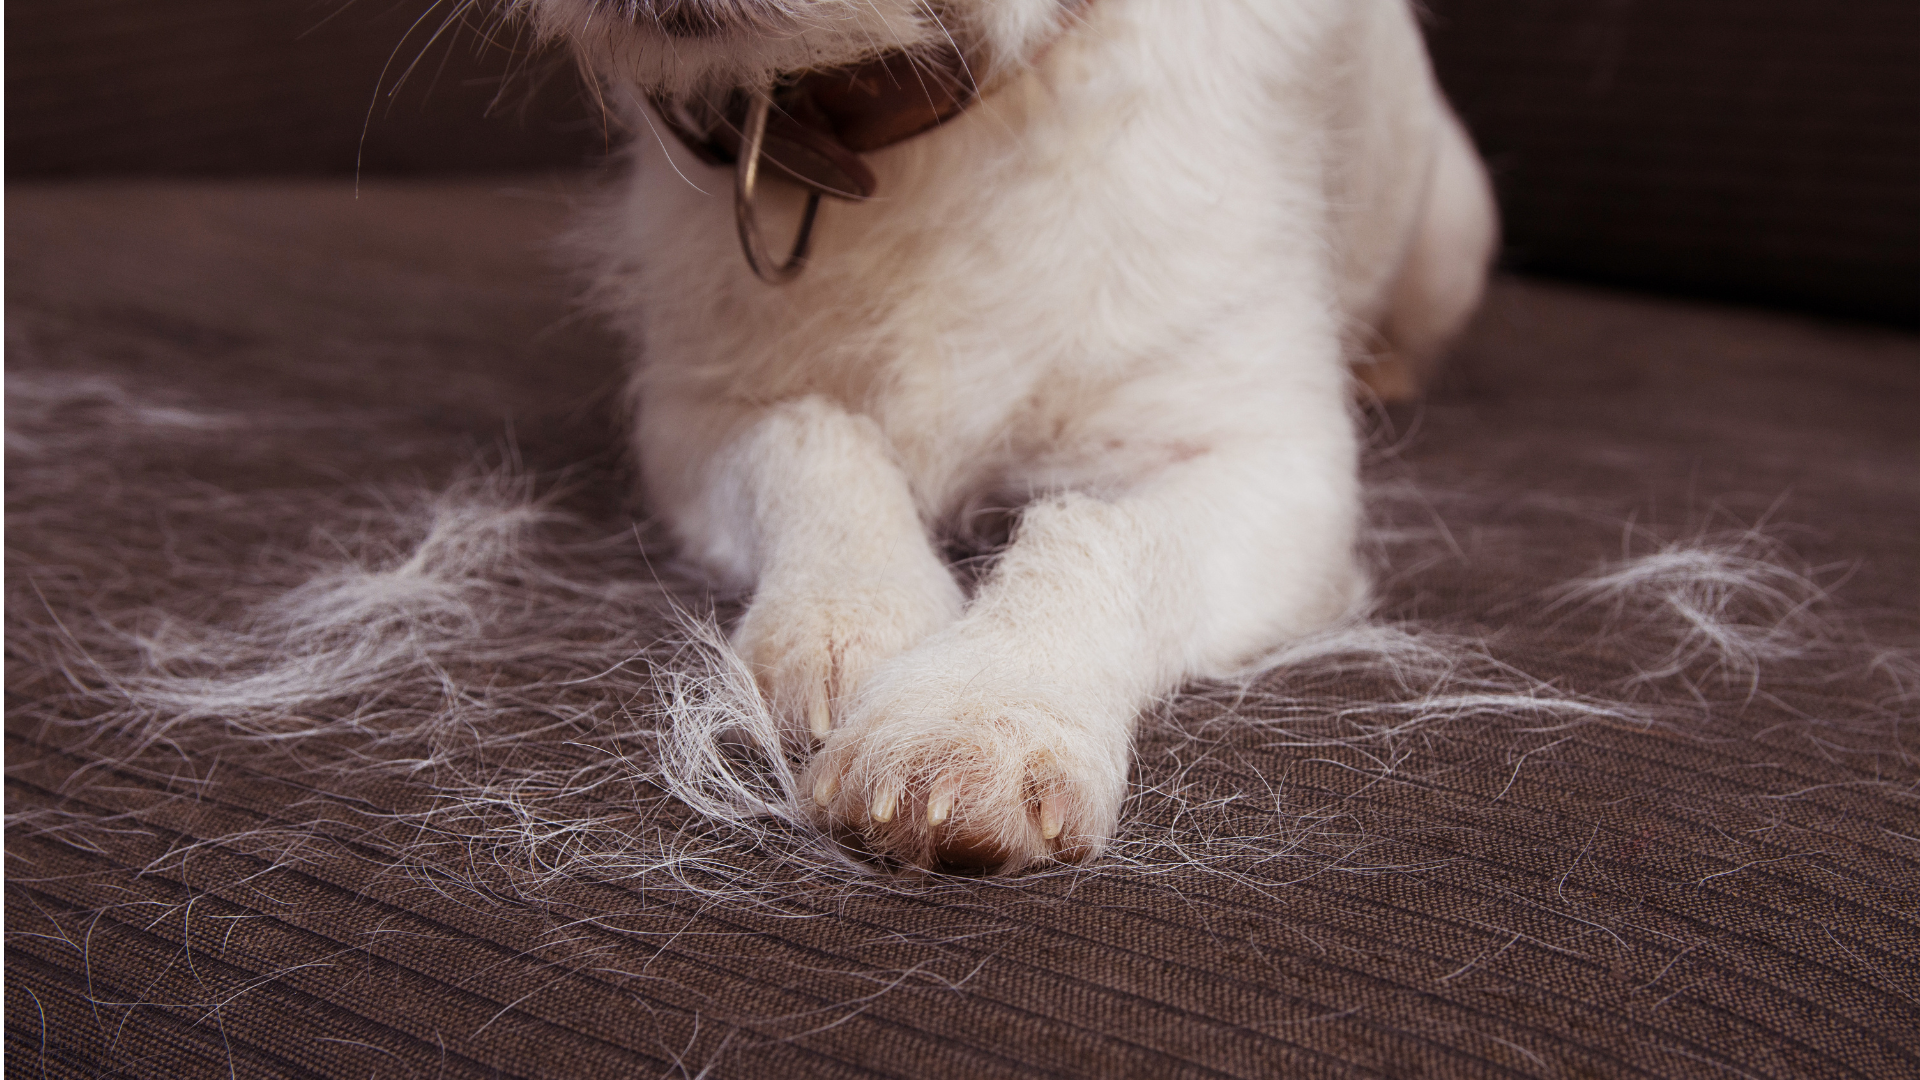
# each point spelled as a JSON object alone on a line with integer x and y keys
{"x": 883, "y": 806}
{"x": 1050, "y": 824}
{"x": 825, "y": 789}
{"x": 940, "y": 808}
{"x": 819, "y": 717}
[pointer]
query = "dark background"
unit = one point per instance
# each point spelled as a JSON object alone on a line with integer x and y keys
{"x": 1763, "y": 151}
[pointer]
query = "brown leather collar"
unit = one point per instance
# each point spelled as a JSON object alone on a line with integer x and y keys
{"x": 822, "y": 121}
{"x": 813, "y": 127}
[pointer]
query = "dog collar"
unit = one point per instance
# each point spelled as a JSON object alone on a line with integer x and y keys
{"x": 813, "y": 127}
{"x": 820, "y": 122}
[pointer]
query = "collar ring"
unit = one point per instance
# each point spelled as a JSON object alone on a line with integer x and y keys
{"x": 746, "y": 176}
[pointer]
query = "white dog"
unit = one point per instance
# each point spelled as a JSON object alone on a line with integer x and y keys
{"x": 1109, "y": 263}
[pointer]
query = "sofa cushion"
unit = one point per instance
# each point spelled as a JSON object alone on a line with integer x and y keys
{"x": 343, "y": 669}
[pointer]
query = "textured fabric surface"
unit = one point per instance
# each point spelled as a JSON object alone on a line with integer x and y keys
{"x": 223, "y": 87}
{"x": 1762, "y": 150}
{"x": 1688, "y": 857}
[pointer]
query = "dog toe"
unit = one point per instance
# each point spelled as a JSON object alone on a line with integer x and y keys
{"x": 811, "y": 651}
{"x": 925, "y": 810}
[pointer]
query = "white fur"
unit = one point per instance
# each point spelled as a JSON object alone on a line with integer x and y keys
{"x": 1121, "y": 291}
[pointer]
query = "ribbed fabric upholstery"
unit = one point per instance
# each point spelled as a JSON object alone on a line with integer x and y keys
{"x": 1730, "y": 890}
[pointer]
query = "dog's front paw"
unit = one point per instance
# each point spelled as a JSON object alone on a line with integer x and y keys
{"x": 810, "y": 650}
{"x": 945, "y": 771}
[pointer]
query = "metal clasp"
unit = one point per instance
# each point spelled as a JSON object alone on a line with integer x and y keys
{"x": 746, "y": 175}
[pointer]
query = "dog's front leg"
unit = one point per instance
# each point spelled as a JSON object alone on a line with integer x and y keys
{"x": 1005, "y": 738}
{"x": 803, "y": 502}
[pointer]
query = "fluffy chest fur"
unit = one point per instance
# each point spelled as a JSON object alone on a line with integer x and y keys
{"x": 1089, "y": 223}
